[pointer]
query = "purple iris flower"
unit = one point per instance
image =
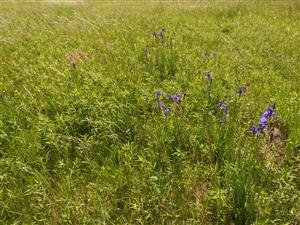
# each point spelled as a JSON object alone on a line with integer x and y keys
{"x": 158, "y": 94}
{"x": 267, "y": 115}
{"x": 254, "y": 130}
{"x": 263, "y": 122}
{"x": 240, "y": 90}
{"x": 163, "y": 30}
{"x": 263, "y": 119}
{"x": 209, "y": 76}
{"x": 223, "y": 106}
{"x": 164, "y": 108}
{"x": 175, "y": 97}
{"x": 262, "y": 125}
{"x": 269, "y": 111}
{"x": 154, "y": 34}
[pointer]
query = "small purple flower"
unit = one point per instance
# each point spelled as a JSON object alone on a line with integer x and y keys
{"x": 160, "y": 105}
{"x": 164, "y": 108}
{"x": 262, "y": 125}
{"x": 209, "y": 94}
{"x": 269, "y": 111}
{"x": 161, "y": 33}
{"x": 145, "y": 50}
{"x": 176, "y": 97}
{"x": 205, "y": 53}
{"x": 254, "y": 130}
{"x": 267, "y": 115}
{"x": 223, "y": 106}
{"x": 240, "y": 90}
{"x": 263, "y": 119}
{"x": 166, "y": 112}
{"x": 154, "y": 34}
{"x": 209, "y": 76}
{"x": 158, "y": 94}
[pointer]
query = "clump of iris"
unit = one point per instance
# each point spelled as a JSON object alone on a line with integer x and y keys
{"x": 224, "y": 107}
{"x": 158, "y": 93}
{"x": 176, "y": 98}
{"x": 265, "y": 122}
{"x": 210, "y": 78}
{"x": 162, "y": 32}
{"x": 164, "y": 108}
{"x": 208, "y": 75}
{"x": 159, "y": 35}
{"x": 160, "y": 105}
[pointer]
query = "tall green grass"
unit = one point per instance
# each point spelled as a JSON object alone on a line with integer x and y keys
{"x": 81, "y": 141}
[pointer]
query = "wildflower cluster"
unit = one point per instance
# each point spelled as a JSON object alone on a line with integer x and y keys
{"x": 221, "y": 105}
{"x": 160, "y": 55}
{"x": 176, "y": 97}
{"x": 210, "y": 78}
{"x": 224, "y": 107}
{"x": 266, "y": 122}
{"x": 160, "y": 34}
{"x": 160, "y": 104}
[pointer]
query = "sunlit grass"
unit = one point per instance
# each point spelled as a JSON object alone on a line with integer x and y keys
{"x": 85, "y": 138}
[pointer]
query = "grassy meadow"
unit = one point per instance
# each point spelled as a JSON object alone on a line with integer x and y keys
{"x": 150, "y": 112}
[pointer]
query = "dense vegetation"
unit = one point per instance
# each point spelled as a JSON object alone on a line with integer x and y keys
{"x": 150, "y": 113}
